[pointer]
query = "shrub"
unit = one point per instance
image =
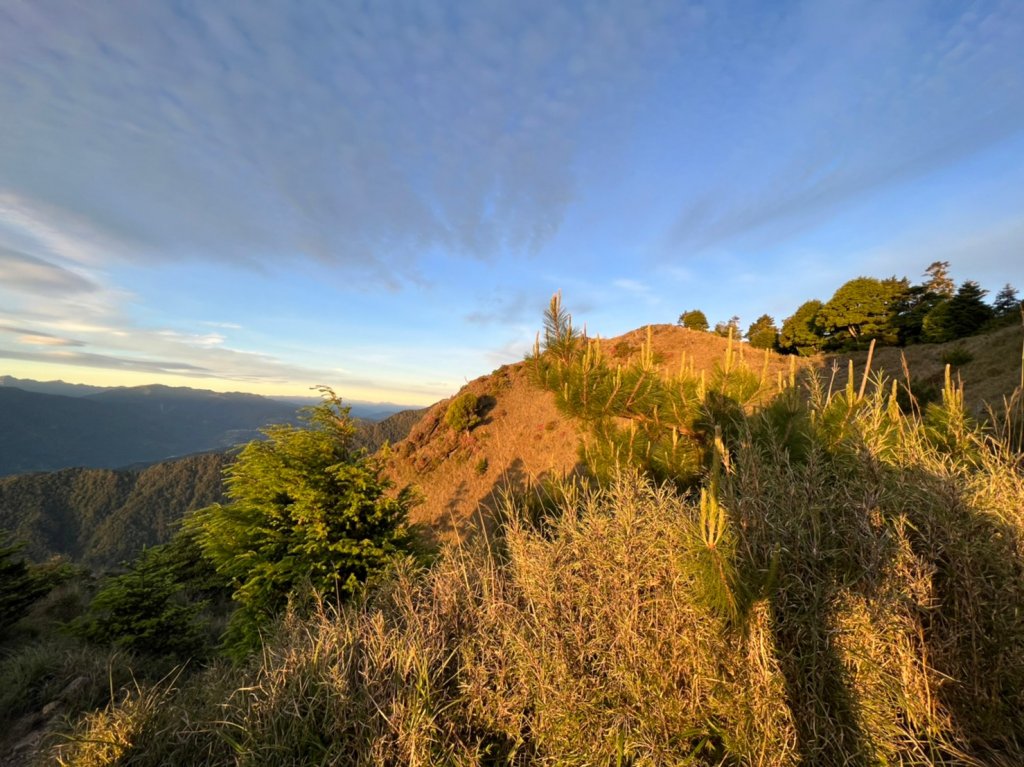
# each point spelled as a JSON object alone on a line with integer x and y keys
{"x": 462, "y": 413}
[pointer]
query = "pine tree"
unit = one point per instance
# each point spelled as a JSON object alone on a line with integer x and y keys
{"x": 1007, "y": 303}
{"x": 561, "y": 339}
{"x": 968, "y": 313}
{"x": 19, "y": 588}
{"x": 725, "y": 329}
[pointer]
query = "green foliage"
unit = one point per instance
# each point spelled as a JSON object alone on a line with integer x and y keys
{"x": 638, "y": 417}
{"x": 158, "y": 607}
{"x": 763, "y": 334}
{"x": 20, "y": 587}
{"x": 864, "y": 309}
{"x": 937, "y": 325}
{"x": 463, "y": 412}
{"x": 694, "y": 319}
{"x": 306, "y": 511}
{"x": 561, "y": 339}
{"x": 962, "y": 315}
{"x": 800, "y": 333}
{"x": 968, "y": 313}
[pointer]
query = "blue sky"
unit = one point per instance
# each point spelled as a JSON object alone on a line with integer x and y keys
{"x": 383, "y": 196}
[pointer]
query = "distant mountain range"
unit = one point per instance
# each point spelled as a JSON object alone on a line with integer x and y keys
{"x": 368, "y": 411}
{"x": 60, "y": 425}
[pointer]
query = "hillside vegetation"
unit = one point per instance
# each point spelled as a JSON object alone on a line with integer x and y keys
{"x": 102, "y": 517}
{"x": 744, "y": 563}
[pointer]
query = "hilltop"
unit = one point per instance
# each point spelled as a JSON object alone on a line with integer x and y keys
{"x": 523, "y": 439}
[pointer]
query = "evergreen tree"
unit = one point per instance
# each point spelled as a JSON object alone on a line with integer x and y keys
{"x": 1007, "y": 302}
{"x": 307, "y": 511}
{"x": 800, "y": 333}
{"x": 763, "y": 333}
{"x": 968, "y": 313}
{"x": 937, "y": 326}
{"x": 864, "y": 309}
{"x": 156, "y": 608}
{"x": 694, "y": 319}
{"x": 910, "y": 311}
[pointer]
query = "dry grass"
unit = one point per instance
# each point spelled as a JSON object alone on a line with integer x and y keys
{"x": 845, "y": 589}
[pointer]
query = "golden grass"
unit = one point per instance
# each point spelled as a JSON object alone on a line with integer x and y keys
{"x": 845, "y": 588}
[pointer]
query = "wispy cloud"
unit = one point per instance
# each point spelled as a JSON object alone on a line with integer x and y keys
{"x": 29, "y": 273}
{"x": 350, "y": 132}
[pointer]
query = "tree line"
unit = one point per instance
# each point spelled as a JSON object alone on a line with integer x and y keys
{"x": 890, "y": 311}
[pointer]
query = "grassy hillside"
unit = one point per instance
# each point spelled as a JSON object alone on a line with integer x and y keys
{"x": 989, "y": 365}
{"x": 695, "y": 554}
{"x": 837, "y": 584}
{"x": 523, "y": 439}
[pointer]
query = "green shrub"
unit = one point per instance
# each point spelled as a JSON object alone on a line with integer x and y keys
{"x": 158, "y": 607}
{"x": 462, "y": 413}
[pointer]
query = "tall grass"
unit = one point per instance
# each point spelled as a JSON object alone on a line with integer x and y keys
{"x": 844, "y": 586}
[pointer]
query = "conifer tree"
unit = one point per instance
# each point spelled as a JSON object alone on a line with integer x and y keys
{"x": 939, "y": 282}
{"x": 1007, "y": 303}
{"x": 731, "y": 327}
{"x": 19, "y": 588}
{"x": 968, "y": 313}
{"x": 307, "y": 511}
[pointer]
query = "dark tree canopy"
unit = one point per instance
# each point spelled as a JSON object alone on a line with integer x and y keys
{"x": 694, "y": 319}
{"x": 763, "y": 333}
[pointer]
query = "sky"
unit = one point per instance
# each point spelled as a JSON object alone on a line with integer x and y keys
{"x": 382, "y": 196}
